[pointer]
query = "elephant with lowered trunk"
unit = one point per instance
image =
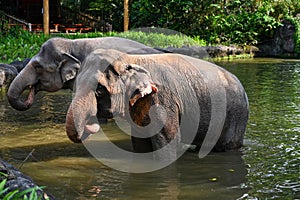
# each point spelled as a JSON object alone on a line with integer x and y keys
{"x": 56, "y": 65}
{"x": 166, "y": 98}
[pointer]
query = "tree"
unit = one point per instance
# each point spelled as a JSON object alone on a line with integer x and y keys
{"x": 46, "y": 16}
{"x": 126, "y": 15}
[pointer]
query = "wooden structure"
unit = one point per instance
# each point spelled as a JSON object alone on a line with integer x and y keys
{"x": 126, "y": 15}
{"x": 31, "y": 10}
{"x": 48, "y": 16}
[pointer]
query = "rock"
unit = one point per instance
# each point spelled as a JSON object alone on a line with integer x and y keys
{"x": 282, "y": 44}
{"x": 194, "y": 51}
{"x": 16, "y": 180}
{"x": 219, "y": 51}
{"x": 7, "y": 75}
{"x": 9, "y": 71}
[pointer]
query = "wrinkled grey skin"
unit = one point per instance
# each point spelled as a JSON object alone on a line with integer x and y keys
{"x": 9, "y": 71}
{"x": 56, "y": 65}
{"x": 117, "y": 80}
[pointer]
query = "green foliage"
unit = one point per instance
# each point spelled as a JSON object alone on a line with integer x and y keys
{"x": 244, "y": 25}
{"x": 16, "y": 44}
{"x": 216, "y": 21}
{"x": 296, "y": 22}
{"x": 231, "y": 21}
{"x": 160, "y": 13}
{"x": 283, "y": 8}
{"x": 16, "y": 194}
{"x": 162, "y": 40}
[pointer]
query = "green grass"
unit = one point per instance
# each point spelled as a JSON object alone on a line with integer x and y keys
{"x": 18, "y": 44}
{"x": 161, "y": 39}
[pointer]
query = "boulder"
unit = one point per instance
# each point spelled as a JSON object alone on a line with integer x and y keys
{"x": 219, "y": 51}
{"x": 9, "y": 71}
{"x": 282, "y": 44}
{"x": 7, "y": 75}
{"x": 16, "y": 180}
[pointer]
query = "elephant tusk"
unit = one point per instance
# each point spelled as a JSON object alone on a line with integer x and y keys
{"x": 93, "y": 128}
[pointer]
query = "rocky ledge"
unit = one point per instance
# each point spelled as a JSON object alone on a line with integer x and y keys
{"x": 282, "y": 44}
{"x": 219, "y": 51}
{"x": 16, "y": 180}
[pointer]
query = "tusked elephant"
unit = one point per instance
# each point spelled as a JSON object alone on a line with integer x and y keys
{"x": 56, "y": 65}
{"x": 165, "y": 97}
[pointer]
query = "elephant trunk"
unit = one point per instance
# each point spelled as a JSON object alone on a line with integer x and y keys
{"x": 81, "y": 120}
{"x": 25, "y": 80}
{"x": 70, "y": 126}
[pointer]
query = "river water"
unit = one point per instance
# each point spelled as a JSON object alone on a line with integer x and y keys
{"x": 266, "y": 168}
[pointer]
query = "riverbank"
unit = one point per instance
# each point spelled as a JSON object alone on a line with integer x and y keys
{"x": 283, "y": 44}
{"x": 215, "y": 52}
{"x": 18, "y": 44}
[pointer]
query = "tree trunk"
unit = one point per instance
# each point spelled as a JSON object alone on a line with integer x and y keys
{"x": 126, "y": 15}
{"x": 46, "y": 16}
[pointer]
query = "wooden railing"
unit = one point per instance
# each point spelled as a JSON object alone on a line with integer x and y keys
{"x": 8, "y": 21}
{"x": 72, "y": 22}
{"x": 78, "y": 17}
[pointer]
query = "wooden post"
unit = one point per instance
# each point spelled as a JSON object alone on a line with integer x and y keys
{"x": 46, "y": 16}
{"x": 126, "y": 15}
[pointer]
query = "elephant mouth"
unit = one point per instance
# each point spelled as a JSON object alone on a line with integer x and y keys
{"x": 21, "y": 102}
{"x": 88, "y": 130}
{"x": 91, "y": 127}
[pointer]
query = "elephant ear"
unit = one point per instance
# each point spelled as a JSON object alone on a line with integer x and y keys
{"x": 69, "y": 67}
{"x": 139, "y": 82}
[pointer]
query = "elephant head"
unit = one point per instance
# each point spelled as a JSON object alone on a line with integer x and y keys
{"x": 107, "y": 83}
{"x": 57, "y": 63}
{"x": 49, "y": 70}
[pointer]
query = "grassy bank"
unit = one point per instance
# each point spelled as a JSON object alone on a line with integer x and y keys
{"x": 18, "y": 44}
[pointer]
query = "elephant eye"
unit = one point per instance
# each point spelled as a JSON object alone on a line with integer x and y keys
{"x": 51, "y": 69}
{"x": 112, "y": 70}
{"x": 38, "y": 68}
{"x": 128, "y": 67}
{"x": 101, "y": 91}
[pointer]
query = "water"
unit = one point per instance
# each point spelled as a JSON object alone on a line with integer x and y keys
{"x": 266, "y": 168}
{"x": 273, "y": 152}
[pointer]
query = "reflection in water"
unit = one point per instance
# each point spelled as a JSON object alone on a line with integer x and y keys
{"x": 70, "y": 172}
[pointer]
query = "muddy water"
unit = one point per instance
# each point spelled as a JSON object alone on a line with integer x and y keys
{"x": 265, "y": 168}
